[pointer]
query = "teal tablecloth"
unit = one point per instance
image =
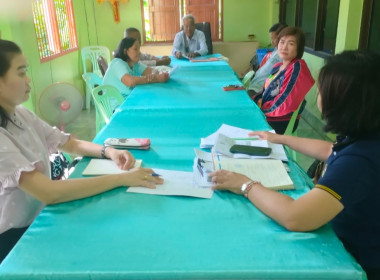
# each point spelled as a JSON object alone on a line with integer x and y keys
{"x": 119, "y": 235}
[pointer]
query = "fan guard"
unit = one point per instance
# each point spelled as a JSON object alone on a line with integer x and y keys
{"x": 60, "y": 104}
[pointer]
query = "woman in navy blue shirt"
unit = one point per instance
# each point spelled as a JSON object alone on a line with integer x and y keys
{"x": 348, "y": 191}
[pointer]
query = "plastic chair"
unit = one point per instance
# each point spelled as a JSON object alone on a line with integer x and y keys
{"x": 92, "y": 80}
{"x": 103, "y": 65}
{"x": 206, "y": 29}
{"x": 291, "y": 130}
{"x": 105, "y": 99}
{"x": 90, "y": 56}
{"x": 247, "y": 78}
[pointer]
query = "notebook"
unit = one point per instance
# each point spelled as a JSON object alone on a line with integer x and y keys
{"x": 270, "y": 172}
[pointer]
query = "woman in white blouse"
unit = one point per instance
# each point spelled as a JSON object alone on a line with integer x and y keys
{"x": 26, "y": 141}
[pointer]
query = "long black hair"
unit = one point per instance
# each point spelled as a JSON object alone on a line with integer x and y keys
{"x": 124, "y": 44}
{"x": 8, "y": 50}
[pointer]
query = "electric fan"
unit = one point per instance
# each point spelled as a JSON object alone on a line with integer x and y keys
{"x": 60, "y": 104}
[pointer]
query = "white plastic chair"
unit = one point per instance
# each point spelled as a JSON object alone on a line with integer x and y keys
{"x": 105, "y": 99}
{"x": 247, "y": 78}
{"x": 290, "y": 128}
{"x": 90, "y": 56}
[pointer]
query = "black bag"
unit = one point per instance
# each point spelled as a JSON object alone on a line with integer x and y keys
{"x": 60, "y": 166}
{"x": 254, "y": 63}
{"x": 315, "y": 170}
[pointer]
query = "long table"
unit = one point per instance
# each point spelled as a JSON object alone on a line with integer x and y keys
{"x": 119, "y": 235}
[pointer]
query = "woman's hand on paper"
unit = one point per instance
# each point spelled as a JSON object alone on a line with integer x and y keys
{"x": 141, "y": 177}
{"x": 123, "y": 158}
{"x": 228, "y": 181}
{"x": 265, "y": 135}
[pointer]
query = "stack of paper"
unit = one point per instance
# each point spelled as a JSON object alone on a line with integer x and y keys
{"x": 202, "y": 167}
{"x": 228, "y": 130}
{"x": 175, "y": 182}
{"x": 223, "y": 145}
{"x": 240, "y": 136}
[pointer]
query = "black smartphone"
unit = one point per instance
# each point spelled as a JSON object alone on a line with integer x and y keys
{"x": 250, "y": 150}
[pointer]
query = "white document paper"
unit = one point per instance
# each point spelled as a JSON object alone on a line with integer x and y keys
{"x": 202, "y": 167}
{"x": 209, "y": 141}
{"x": 278, "y": 151}
{"x": 206, "y": 156}
{"x": 227, "y": 130}
{"x": 104, "y": 167}
{"x": 175, "y": 183}
{"x": 234, "y": 132}
{"x": 224, "y": 143}
{"x": 174, "y": 69}
{"x": 270, "y": 172}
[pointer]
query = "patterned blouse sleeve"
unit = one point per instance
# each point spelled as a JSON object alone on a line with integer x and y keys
{"x": 16, "y": 157}
{"x": 12, "y": 163}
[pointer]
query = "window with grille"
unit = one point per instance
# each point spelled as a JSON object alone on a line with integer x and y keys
{"x": 317, "y": 18}
{"x": 369, "y": 32}
{"x": 55, "y": 28}
{"x": 163, "y": 18}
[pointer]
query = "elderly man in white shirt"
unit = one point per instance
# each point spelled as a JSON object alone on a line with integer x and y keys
{"x": 189, "y": 42}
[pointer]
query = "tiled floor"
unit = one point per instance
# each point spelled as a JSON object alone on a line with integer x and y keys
{"x": 84, "y": 128}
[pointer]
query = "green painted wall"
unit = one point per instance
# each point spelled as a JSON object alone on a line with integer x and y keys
{"x": 96, "y": 26}
{"x": 61, "y": 69}
{"x": 240, "y": 18}
{"x": 6, "y": 32}
{"x": 350, "y": 12}
{"x": 244, "y": 17}
{"x": 108, "y": 31}
{"x": 350, "y": 16}
{"x": 5, "y": 29}
{"x": 315, "y": 64}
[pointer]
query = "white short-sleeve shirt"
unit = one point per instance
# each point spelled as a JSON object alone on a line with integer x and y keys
{"x": 26, "y": 144}
{"x": 196, "y": 44}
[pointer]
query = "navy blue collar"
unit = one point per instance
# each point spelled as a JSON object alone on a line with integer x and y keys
{"x": 343, "y": 141}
